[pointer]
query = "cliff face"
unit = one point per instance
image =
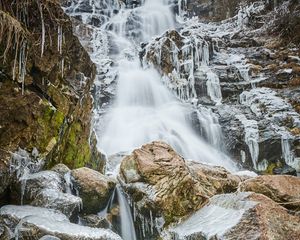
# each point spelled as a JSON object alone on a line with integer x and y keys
{"x": 45, "y": 82}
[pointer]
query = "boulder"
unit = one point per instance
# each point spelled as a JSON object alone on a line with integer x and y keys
{"x": 93, "y": 187}
{"x": 283, "y": 189}
{"x": 29, "y": 222}
{"x": 161, "y": 181}
{"x": 32, "y": 184}
{"x": 61, "y": 169}
{"x": 11, "y": 215}
{"x": 95, "y": 221}
{"x": 33, "y": 226}
{"x": 66, "y": 203}
{"x": 241, "y": 215}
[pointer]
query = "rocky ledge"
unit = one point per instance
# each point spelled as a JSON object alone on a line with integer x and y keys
{"x": 45, "y": 82}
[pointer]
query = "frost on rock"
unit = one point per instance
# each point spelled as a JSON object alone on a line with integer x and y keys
{"x": 15, "y": 213}
{"x": 251, "y": 137}
{"x": 268, "y": 106}
{"x": 215, "y": 219}
{"x": 33, "y": 226}
{"x": 36, "y": 222}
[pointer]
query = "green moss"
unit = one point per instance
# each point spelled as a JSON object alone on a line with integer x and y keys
{"x": 77, "y": 151}
{"x": 50, "y": 123}
{"x": 271, "y": 167}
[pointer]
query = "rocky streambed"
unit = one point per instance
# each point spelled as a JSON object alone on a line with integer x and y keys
{"x": 149, "y": 119}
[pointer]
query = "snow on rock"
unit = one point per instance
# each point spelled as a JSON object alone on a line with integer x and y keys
{"x": 237, "y": 216}
{"x": 35, "y": 222}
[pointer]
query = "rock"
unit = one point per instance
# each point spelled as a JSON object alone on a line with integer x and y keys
{"x": 285, "y": 170}
{"x": 66, "y": 203}
{"x": 217, "y": 179}
{"x": 284, "y": 190}
{"x": 242, "y": 215}
{"x": 34, "y": 226}
{"x": 161, "y": 181}
{"x": 11, "y": 215}
{"x": 61, "y": 169}
{"x": 93, "y": 187}
{"x": 95, "y": 221}
{"x": 36, "y": 182}
{"x": 48, "y": 237}
{"x": 37, "y": 222}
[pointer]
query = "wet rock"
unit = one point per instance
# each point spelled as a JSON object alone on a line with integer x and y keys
{"x": 95, "y": 221}
{"x": 34, "y": 223}
{"x": 241, "y": 215}
{"x": 161, "y": 181}
{"x": 60, "y": 168}
{"x": 284, "y": 190}
{"x": 93, "y": 187}
{"x": 285, "y": 170}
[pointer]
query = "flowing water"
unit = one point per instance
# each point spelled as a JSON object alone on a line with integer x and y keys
{"x": 144, "y": 109}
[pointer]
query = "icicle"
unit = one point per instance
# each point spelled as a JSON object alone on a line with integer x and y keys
{"x": 59, "y": 39}
{"x": 43, "y": 28}
{"x": 213, "y": 87}
{"x": 287, "y": 153}
{"x": 251, "y": 137}
{"x": 22, "y": 64}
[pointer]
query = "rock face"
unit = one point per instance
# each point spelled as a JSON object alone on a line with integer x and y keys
{"x": 45, "y": 82}
{"x": 159, "y": 180}
{"x": 240, "y": 72}
{"x": 242, "y": 215}
{"x": 93, "y": 187}
{"x": 34, "y": 223}
{"x": 281, "y": 189}
{"x": 217, "y": 10}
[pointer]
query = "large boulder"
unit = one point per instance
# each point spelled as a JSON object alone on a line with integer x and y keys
{"x": 11, "y": 215}
{"x": 33, "y": 223}
{"x": 284, "y": 190}
{"x": 242, "y": 215}
{"x": 48, "y": 189}
{"x": 93, "y": 187}
{"x": 32, "y": 184}
{"x": 67, "y": 203}
{"x": 161, "y": 181}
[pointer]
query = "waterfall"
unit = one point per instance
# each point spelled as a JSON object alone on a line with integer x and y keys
{"x": 145, "y": 109}
{"x": 127, "y": 226}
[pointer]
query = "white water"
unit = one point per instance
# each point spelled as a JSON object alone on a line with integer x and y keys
{"x": 127, "y": 226}
{"x": 144, "y": 109}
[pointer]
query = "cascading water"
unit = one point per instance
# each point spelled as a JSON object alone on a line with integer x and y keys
{"x": 144, "y": 109}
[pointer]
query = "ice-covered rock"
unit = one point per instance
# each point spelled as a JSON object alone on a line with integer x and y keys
{"x": 160, "y": 181}
{"x": 11, "y": 215}
{"x": 33, "y": 226}
{"x": 67, "y": 203}
{"x": 32, "y": 184}
{"x": 27, "y": 222}
{"x": 93, "y": 187}
{"x": 48, "y": 237}
{"x": 243, "y": 215}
